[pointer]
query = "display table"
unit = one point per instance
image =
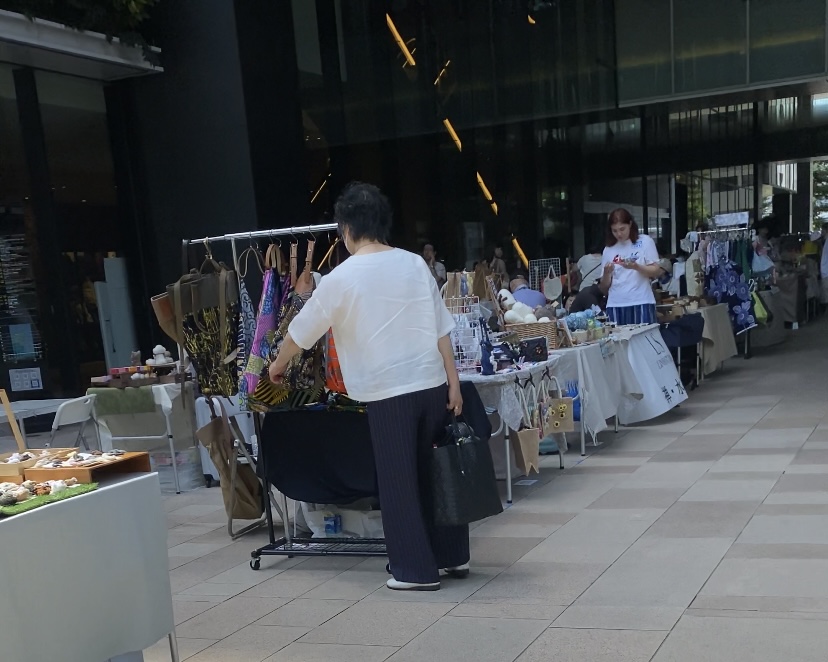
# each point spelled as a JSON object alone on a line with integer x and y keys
{"x": 605, "y": 378}
{"x": 23, "y": 409}
{"x": 86, "y": 579}
{"x": 718, "y": 341}
{"x": 157, "y": 420}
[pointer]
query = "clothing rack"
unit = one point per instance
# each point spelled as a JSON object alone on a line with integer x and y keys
{"x": 289, "y": 545}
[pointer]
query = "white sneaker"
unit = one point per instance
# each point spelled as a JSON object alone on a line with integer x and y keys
{"x": 395, "y": 585}
{"x": 458, "y": 572}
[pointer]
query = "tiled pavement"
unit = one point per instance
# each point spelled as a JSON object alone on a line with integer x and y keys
{"x": 700, "y": 536}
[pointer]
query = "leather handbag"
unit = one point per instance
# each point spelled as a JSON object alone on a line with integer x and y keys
{"x": 464, "y": 488}
{"x": 218, "y": 436}
{"x": 206, "y": 307}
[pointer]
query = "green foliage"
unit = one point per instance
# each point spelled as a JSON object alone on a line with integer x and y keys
{"x": 820, "y": 193}
{"x": 697, "y": 212}
{"x": 114, "y": 18}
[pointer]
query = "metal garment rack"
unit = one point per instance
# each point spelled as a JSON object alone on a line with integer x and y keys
{"x": 749, "y": 233}
{"x": 289, "y": 545}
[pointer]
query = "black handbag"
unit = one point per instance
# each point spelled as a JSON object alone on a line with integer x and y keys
{"x": 463, "y": 484}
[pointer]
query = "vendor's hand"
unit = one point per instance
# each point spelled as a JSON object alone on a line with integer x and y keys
{"x": 630, "y": 265}
{"x": 275, "y": 372}
{"x": 455, "y": 400}
{"x": 608, "y": 267}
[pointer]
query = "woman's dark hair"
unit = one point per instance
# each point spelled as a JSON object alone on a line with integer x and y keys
{"x": 365, "y": 211}
{"x": 597, "y": 248}
{"x": 620, "y": 216}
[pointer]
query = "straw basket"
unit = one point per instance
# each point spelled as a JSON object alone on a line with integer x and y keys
{"x": 548, "y": 330}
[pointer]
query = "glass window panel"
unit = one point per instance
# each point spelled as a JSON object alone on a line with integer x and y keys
{"x": 787, "y": 39}
{"x": 710, "y": 44}
{"x": 643, "y": 44}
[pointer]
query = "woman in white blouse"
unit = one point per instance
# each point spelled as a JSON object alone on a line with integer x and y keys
{"x": 630, "y": 262}
{"x": 391, "y": 330}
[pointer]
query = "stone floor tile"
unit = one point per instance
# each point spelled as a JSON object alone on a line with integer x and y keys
{"x": 291, "y": 583}
{"x": 185, "y": 610}
{"x": 216, "y": 590}
{"x": 550, "y": 583}
{"x": 195, "y": 549}
{"x": 632, "y": 498}
{"x": 299, "y": 652}
{"x": 500, "y": 552}
{"x": 255, "y": 642}
{"x": 771, "y": 462}
{"x": 657, "y": 572}
{"x": 647, "y": 441}
{"x": 802, "y": 483}
{"x": 729, "y": 490}
{"x": 228, "y": 617}
{"x": 808, "y": 529}
{"x": 507, "y": 610}
{"x": 709, "y": 440}
{"x": 569, "y": 645}
{"x": 807, "y": 469}
{"x": 515, "y": 524}
{"x": 472, "y": 640}
{"x": 378, "y": 623}
{"x": 778, "y": 551}
{"x": 738, "y": 415}
{"x": 698, "y": 455}
{"x": 761, "y": 604}
{"x": 305, "y": 613}
{"x": 619, "y": 618}
{"x": 668, "y": 474}
{"x": 703, "y": 519}
{"x": 806, "y": 578}
{"x": 715, "y": 428}
{"x": 811, "y": 457}
{"x": 786, "y": 438}
{"x": 758, "y": 640}
{"x": 350, "y": 585}
{"x": 187, "y": 648}
{"x": 785, "y": 509}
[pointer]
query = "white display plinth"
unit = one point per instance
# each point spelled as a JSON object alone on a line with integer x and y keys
{"x": 86, "y": 579}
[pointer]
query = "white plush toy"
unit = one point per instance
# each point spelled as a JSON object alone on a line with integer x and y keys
{"x": 522, "y": 309}
{"x": 530, "y": 318}
{"x": 512, "y": 317}
{"x": 506, "y": 299}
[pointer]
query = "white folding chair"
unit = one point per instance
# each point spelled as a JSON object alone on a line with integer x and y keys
{"x": 74, "y": 412}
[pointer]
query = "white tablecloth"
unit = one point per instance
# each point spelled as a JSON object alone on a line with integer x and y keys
{"x": 86, "y": 579}
{"x": 656, "y": 373}
{"x": 717, "y": 337}
{"x": 498, "y": 391}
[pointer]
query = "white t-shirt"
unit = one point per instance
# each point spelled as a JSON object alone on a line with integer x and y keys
{"x": 590, "y": 267}
{"x": 387, "y": 315}
{"x": 629, "y": 287}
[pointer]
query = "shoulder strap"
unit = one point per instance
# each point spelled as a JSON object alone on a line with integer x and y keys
{"x": 294, "y": 263}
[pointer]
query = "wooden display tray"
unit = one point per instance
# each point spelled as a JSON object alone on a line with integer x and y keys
{"x": 11, "y": 470}
{"x": 128, "y": 463}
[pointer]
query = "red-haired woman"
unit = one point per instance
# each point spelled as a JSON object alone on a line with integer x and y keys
{"x": 630, "y": 263}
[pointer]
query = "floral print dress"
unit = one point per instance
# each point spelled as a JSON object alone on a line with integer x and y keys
{"x": 727, "y": 284}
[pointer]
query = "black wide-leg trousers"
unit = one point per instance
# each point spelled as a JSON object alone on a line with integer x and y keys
{"x": 403, "y": 431}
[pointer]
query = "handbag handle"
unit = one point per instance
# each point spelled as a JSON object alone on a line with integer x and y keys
{"x": 244, "y": 261}
{"x": 551, "y": 273}
{"x": 294, "y": 263}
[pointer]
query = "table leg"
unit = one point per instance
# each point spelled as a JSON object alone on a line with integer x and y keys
{"x": 172, "y": 453}
{"x": 508, "y": 448}
{"x": 173, "y": 647}
{"x": 21, "y": 423}
{"x": 616, "y": 422}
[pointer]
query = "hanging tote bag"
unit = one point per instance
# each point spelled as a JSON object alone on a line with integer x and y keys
{"x": 273, "y": 289}
{"x": 206, "y": 305}
{"x": 557, "y": 412}
{"x": 552, "y": 285}
{"x": 242, "y": 499}
{"x": 463, "y": 484}
{"x": 526, "y": 442}
{"x": 247, "y": 320}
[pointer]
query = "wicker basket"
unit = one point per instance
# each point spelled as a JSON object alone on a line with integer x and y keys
{"x": 548, "y": 330}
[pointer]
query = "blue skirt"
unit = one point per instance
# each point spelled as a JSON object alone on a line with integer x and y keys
{"x": 643, "y": 314}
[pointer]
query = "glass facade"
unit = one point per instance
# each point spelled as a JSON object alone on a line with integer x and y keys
{"x": 58, "y": 220}
{"x": 484, "y": 121}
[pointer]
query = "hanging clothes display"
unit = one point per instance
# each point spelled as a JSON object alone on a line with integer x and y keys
{"x": 727, "y": 256}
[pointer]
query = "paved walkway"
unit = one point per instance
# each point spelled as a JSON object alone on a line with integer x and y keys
{"x": 702, "y": 536}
